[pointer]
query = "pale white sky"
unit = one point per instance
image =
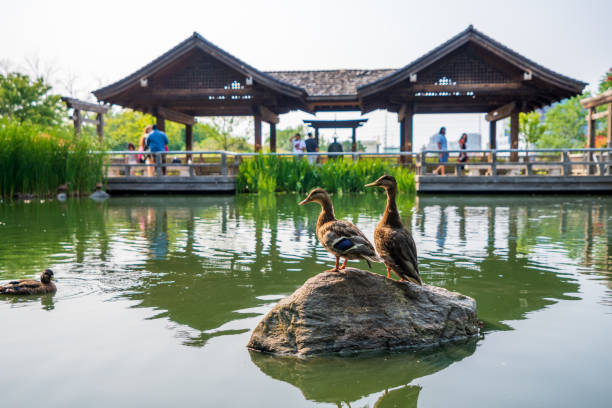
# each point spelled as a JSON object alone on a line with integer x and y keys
{"x": 90, "y": 44}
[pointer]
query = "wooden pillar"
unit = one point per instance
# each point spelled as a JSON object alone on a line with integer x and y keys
{"x": 273, "y": 137}
{"x": 492, "y": 135}
{"x": 354, "y": 146}
{"x": 100, "y": 126}
{"x": 317, "y": 135}
{"x": 514, "y": 131}
{"x": 257, "y": 121}
{"x": 406, "y": 131}
{"x": 610, "y": 125}
{"x": 591, "y": 128}
{"x": 77, "y": 120}
{"x": 160, "y": 121}
{"x": 189, "y": 140}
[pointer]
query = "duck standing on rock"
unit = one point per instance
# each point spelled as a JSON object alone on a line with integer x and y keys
{"x": 30, "y": 286}
{"x": 342, "y": 238}
{"x": 393, "y": 242}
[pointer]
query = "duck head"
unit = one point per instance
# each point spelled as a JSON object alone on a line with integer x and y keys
{"x": 318, "y": 195}
{"x": 46, "y": 276}
{"x": 387, "y": 182}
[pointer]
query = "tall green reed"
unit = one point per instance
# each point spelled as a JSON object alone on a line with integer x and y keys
{"x": 262, "y": 174}
{"x": 35, "y": 159}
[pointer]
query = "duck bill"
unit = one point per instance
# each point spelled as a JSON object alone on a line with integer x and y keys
{"x": 304, "y": 201}
{"x": 374, "y": 184}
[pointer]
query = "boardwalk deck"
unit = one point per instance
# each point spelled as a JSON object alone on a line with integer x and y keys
{"x": 513, "y": 184}
{"x": 171, "y": 184}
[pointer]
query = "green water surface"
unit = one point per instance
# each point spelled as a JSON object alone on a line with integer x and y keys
{"x": 157, "y": 297}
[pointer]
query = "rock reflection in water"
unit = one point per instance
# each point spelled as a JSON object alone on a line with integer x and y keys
{"x": 347, "y": 379}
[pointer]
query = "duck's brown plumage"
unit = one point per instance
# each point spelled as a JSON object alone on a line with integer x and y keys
{"x": 342, "y": 238}
{"x": 394, "y": 243}
{"x": 30, "y": 286}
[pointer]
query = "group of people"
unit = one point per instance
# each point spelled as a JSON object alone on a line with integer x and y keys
{"x": 442, "y": 145}
{"x": 153, "y": 140}
{"x": 311, "y": 145}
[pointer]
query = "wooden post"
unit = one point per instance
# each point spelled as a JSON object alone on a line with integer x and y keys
{"x": 590, "y": 139}
{"x": 100, "y": 126}
{"x": 405, "y": 118}
{"x": 514, "y": 131}
{"x": 317, "y": 135}
{"x": 354, "y": 146}
{"x": 567, "y": 167}
{"x": 273, "y": 137}
{"x": 77, "y": 120}
{"x": 189, "y": 140}
{"x": 610, "y": 125}
{"x": 223, "y": 164}
{"x": 161, "y": 123}
{"x": 492, "y": 135}
{"x": 257, "y": 122}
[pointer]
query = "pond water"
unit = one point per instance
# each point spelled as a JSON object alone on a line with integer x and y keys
{"x": 157, "y": 297}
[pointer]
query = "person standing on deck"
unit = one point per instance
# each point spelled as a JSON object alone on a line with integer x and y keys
{"x": 157, "y": 142}
{"x": 463, "y": 157}
{"x": 335, "y": 147}
{"x": 142, "y": 146}
{"x": 312, "y": 146}
{"x": 298, "y": 145}
{"x": 441, "y": 143}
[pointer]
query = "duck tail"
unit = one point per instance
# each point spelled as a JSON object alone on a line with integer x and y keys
{"x": 370, "y": 259}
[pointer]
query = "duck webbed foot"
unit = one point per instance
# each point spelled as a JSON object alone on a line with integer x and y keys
{"x": 344, "y": 263}
{"x": 337, "y": 267}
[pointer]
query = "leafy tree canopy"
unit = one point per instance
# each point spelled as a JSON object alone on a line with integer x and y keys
{"x": 565, "y": 124}
{"x": 531, "y": 127}
{"x": 24, "y": 99}
{"x": 606, "y": 81}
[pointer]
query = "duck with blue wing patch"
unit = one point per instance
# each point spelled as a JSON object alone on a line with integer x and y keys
{"x": 342, "y": 238}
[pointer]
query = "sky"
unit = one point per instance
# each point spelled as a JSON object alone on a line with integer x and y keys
{"x": 83, "y": 45}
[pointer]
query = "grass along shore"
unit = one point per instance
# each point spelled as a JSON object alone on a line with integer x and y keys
{"x": 35, "y": 160}
{"x": 266, "y": 174}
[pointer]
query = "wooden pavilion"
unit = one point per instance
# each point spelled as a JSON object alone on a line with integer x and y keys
{"x": 469, "y": 73}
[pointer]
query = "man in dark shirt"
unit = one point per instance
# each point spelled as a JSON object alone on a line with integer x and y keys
{"x": 312, "y": 146}
{"x": 157, "y": 142}
{"x": 334, "y": 147}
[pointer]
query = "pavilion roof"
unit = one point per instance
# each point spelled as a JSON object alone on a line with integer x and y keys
{"x": 335, "y": 82}
{"x": 472, "y": 35}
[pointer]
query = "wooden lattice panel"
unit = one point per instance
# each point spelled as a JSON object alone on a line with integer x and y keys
{"x": 203, "y": 72}
{"x": 461, "y": 69}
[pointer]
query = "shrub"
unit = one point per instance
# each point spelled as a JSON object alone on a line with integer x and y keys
{"x": 262, "y": 174}
{"x": 36, "y": 159}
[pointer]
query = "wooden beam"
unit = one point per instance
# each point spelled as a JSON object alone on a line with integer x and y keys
{"x": 175, "y": 116}
{"x": 273, "y": 137}
{"x": 166, "y": 92}
{"x": 597, "y": 115}
{"x": 257, "y": 122}
{"x": 591, "y": 128}
{"x": 501, "y": 112}
{"x": 354, "y": 138}
{"x": 83, "y": 105}
{"x": 467, "y": 87}
{"x": 603, "y": 98}
{"x": 267, "y": 115}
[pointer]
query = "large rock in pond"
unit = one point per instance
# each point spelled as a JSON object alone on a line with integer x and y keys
{"x": 355, "y": 310}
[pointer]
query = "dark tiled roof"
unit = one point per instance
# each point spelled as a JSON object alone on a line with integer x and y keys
{"x": 337, "y": 82}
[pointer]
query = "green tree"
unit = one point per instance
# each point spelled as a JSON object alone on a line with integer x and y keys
{"x": 24, "y": 99}
{"x": 531, "y": 127}
{"x": 565, "y": 124}
{"x": 606, "y": 81}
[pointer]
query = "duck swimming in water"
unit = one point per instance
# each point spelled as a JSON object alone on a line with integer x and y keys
{"x": 30, "y": 286}
{"x": 394, "y": 243}
{"x": 342, "y": 238}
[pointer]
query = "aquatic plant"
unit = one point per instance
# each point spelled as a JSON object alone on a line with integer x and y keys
{"x": 262, "y": 174}
{"x": 36, "y": 159}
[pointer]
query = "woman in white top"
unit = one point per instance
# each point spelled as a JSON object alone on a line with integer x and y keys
{"x": 298, "y": 144}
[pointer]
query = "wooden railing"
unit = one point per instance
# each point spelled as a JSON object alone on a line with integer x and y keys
{"x": 541, "y": 162}
{"x": 552, "y": 162}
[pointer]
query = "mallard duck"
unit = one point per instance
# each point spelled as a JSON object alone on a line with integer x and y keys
{"x": 30, "y": 286}
{"x": 342, "y": 238}
{"x": 394, "y": 243}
